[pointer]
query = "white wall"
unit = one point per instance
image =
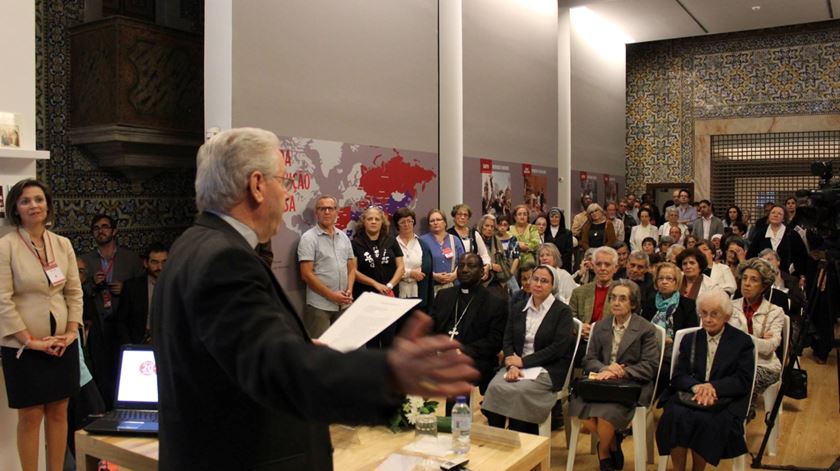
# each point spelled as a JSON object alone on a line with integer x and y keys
{"x": 363, "y": 72}
{"x": 597, "y": 95}
{"x": 17, "y": 93}
{"x": 510, "y": 80}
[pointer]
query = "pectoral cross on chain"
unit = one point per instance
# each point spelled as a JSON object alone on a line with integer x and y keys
{"x": 453, "y": 332}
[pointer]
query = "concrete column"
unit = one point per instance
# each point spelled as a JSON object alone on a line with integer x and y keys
{"x": 451, "y": 102}
{"x": 564, "y": 113}
{"x": 218, "y": 64}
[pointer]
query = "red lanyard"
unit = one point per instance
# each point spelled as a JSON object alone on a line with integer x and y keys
{"x": 46, "y": 254}
{"x": 110, "y": 266}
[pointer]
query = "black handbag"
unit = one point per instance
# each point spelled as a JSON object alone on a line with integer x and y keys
{"x": 686, "y": 398}
{"x": 621, "y": 391}
{"x": 796, "y": 383}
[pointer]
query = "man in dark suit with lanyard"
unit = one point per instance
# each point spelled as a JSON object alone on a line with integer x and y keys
{"x": 241, "y": 384}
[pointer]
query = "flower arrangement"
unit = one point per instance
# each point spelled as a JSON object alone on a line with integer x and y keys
{"x": 412, "y": 407}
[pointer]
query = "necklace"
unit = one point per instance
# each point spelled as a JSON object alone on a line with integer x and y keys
{"x": 454, "y": 331}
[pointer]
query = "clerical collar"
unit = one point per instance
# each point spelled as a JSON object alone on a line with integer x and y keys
{"x": 465, "y": 291}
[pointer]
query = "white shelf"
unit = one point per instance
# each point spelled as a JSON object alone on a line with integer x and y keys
{"x": 14, "y": 153}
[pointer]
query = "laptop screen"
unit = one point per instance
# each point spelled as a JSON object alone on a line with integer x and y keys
{"x": 137, "y": 386}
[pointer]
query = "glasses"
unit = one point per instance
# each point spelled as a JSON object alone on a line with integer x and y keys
{"x": 406, "y": 222}
{"x": 666, "y": 278}
{"x": 287, "y": 182}
{"x": 432, "y": 221}
{"x": 103, "y": 227}
{"x": 711, "y": 315}
{"x": 325, "y": 209}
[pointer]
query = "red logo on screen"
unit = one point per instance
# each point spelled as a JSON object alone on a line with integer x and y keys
{"x": 486, "y": 166}
{"x": 583, "y": 176}
{"x": 148, "y": 368}
{"x": 526, "y": 170}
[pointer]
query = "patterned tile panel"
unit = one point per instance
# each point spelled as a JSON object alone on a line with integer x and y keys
{"x": 774, "y": 72}
{"x": 158, "y": 210}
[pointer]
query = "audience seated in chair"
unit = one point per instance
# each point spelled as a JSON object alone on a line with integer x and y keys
{"x": 621, "y": 346}
{"x": 539, "y": 334}
{"x": 715, "y": 363}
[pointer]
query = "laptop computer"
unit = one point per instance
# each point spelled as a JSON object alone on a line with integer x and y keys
{"x": 136, "y": 402}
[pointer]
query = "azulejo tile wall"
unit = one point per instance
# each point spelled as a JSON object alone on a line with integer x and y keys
{"x": 670, "y": 84}
{"x": 158, "y": 210}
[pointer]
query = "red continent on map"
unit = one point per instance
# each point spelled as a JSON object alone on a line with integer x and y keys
{"x": 382, "y": 180}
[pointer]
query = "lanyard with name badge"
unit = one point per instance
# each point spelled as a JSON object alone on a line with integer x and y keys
{"x": 51, "y": 269}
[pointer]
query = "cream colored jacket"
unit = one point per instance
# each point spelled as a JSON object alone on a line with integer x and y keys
{"x": 768, "y": 318}
{"x": 26, "y": 297}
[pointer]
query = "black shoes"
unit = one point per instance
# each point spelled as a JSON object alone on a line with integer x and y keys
{"x": 607, "y": 465}
{"x": 617, "y": 456}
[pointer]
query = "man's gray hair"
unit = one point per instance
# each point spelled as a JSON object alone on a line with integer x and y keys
{"x": 639, "y": 255}
{"x": 607, "y": 250}
{"x": 672, "y": 210}
{"x": 718, "y": 296}
{"x": 770, "y": 252}
{"x": 226, "y": 161}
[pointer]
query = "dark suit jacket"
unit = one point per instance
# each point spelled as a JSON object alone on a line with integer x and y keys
{"x": 241, "y": 385}
{"x": 638, "y": 352}
{"x": 732, "y": 368}
{"x": 480, "y": 331}
{"x": 133, "y": 311}
{"x": 715, "y": 228}
{"x": 553, "y": 344}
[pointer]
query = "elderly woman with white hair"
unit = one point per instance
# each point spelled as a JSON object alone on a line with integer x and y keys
{"x": 598, "y": 230}
{"x": 622, "y": 345}
{"x": 714, "y": 374}
{"x": 760, "y": 318}
{"x": 539, "y": 334}
{"x": 672, "y": 219}
{"x": 548, "y": 254}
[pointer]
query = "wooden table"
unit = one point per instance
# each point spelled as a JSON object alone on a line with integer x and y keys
{"x": 356, "y": 449}
{"x": 135, "y": 453}
{"x": 363, "y": 448}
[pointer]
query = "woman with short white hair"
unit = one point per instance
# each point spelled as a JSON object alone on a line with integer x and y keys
{"x": 672, "y": 219}
{"x": 706, "y": 403}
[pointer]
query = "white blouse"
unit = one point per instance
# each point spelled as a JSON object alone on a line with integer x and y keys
{"x": 412, "y": 260}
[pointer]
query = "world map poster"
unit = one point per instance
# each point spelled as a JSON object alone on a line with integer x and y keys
{"x": 358, "y": 176}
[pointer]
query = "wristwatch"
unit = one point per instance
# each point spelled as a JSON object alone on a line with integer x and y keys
{"x": 389, "y": 285}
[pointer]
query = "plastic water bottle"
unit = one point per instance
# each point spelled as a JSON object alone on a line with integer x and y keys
{"x": 461, "y": 425}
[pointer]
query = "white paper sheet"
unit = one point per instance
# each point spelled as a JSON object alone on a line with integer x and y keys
{"x": 531, "y": 373}
{"x": 369, "y": 315}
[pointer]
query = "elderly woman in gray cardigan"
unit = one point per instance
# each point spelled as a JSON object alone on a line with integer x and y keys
{"x": 621, "y": 346}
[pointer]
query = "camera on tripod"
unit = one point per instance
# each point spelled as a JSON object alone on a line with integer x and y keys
{"x": 822, "y": 211}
